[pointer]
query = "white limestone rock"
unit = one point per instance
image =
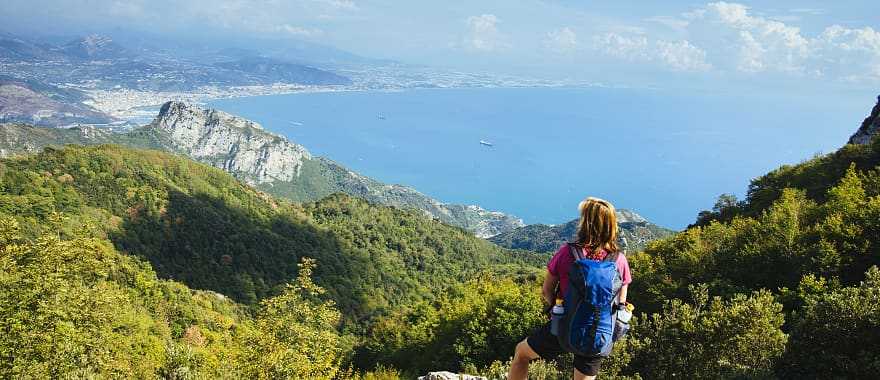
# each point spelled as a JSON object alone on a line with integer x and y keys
{"x": 236, "y": 145}
{"x": 446, "y": 375}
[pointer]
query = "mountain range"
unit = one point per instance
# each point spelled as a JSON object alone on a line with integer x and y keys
{"x": 43, "y": 83}
{"x": 100, "y": 62}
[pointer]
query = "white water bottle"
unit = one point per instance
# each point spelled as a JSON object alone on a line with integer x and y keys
{"x": 556, "y": 317}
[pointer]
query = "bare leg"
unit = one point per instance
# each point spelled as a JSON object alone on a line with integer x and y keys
{"x": 519, "y": 367}
{"x": 579, "y": 376}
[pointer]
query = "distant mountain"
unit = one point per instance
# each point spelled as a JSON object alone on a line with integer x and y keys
{"x": 41, "y": 104}
{"x": 545, "y": 238}
{"x": 262, "y": 70}
{"x": 13, "y": 48}
{"x": 267, "y": 161}
{"x": 93, "y": 47}
{"x": 99, "y": 61}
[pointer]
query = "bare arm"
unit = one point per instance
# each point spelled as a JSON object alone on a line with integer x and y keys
{"x": 549, "y": 288}
{"x": 622, "y": 295}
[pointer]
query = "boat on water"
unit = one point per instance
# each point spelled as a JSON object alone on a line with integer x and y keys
{"x": 485, "y": 143}
{"x": 296, "y": 123}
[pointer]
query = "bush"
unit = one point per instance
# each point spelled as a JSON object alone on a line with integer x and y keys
{"x": 740, "y": 337}
{"x": 836, "y": 334}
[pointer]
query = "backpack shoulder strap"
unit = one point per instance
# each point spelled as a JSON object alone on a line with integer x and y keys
{"x": 611, "y": 256}
{"x": 575, "y": 251}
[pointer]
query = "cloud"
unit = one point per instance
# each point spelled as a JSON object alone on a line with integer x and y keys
{"x": 483, "y": 34}
{"x": 682, "y": 56}
{"x": 755, "y": 43}
{"x": 730, "y": 37}
{"x": 809, "y": 11}
{"x": 669, "y": 22}
{"x": 347, "y": 5}
{"x": 758, "y": 44}
{"x": 675, "y": 55}
{"x": 298, "y": 31}
{"x": 562, "y": 40}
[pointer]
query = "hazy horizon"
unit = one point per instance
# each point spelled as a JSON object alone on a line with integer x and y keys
{"x": 785, "y": 46}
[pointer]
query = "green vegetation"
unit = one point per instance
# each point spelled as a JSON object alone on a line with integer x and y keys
{"x": 198, "y": 225}
{"x": 781, "y": 285}
{"x": 77, "y": 308}
{"x": 89, "y": 225}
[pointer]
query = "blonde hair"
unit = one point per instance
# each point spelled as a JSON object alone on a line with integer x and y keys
{"x": 597, "y": 228}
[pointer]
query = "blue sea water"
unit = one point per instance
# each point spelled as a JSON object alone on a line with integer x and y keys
{"x": 665, "y": 155}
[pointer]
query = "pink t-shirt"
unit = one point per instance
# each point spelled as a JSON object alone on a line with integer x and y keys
{"x": 561, "y": 263}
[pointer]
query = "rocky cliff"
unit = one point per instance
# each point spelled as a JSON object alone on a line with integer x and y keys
{"x": 236, "y": 145}
{"x": 870, "y": 127}
{"x": 545, "y": 238}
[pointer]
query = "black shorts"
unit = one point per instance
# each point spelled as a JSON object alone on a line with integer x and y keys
{"x": 547, "y": 346}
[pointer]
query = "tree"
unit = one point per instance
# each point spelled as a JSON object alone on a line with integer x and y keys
{"x": 294, "y": 335}
{"x": 734, "y": 338}
{"x": 836, "y": 334}
{"x": 724, "y": 202}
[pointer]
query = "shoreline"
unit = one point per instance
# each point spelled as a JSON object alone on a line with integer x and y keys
{"x": 130, "y": 106}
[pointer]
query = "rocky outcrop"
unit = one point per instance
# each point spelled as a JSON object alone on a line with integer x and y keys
{"x": 236, "y": 145}
{"x": 870, "y": 127}
{"x": 546, "y": 238}
{"x": 445, "y": 375}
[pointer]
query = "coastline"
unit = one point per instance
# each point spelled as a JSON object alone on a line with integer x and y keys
{"x": 132, "y": 106}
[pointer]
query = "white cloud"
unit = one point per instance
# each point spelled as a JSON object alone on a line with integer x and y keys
{"x": 483, "y": 34}
{"x": 730, "y": 37}
{"x": 347, "y": 5}
{"x": 673, "y": 23}
{"x": 758, "y": 44}
{"x": 562, "y": 40}
{"x": 809, "y": 11}
{"x": 682, "y": 56}
{"x": 676, "y": 55}
{"x": 299, "y": 31}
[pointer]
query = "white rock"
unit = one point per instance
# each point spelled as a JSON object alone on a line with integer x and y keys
{"x": 445, "y": 375}
{"x": 236, "y": 145}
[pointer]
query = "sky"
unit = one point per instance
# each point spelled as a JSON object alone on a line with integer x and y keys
{"x": 822, "y": 44}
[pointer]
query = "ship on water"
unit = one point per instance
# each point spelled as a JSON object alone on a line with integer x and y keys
{"x": 485, "y": 143}
{"x": 380, "y": 116}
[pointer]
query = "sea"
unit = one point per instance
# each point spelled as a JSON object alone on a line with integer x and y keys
{"x": 536, "y": 152}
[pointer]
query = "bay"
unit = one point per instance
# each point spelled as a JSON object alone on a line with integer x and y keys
{"x": 663, "y": 154}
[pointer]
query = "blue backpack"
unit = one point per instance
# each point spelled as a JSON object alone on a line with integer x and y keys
{"x": 587, "y": 327}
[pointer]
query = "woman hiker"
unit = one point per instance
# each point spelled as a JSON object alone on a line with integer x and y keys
{"x": 596, "y": 238}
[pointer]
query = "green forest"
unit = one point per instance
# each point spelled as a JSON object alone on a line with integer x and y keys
{"x": 119, "y": 262}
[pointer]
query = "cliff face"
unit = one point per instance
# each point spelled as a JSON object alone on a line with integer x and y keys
{"x": 236, "y": 145}
{"x": 870, "y": 127}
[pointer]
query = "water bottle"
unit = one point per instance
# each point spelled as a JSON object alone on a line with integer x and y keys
{"x": 621, "y": 323}
{"x": 556, "y": 314}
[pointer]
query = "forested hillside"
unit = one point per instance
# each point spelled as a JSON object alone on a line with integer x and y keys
{"x": 200, "y": 226}
{"x": 783, "y": 285}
